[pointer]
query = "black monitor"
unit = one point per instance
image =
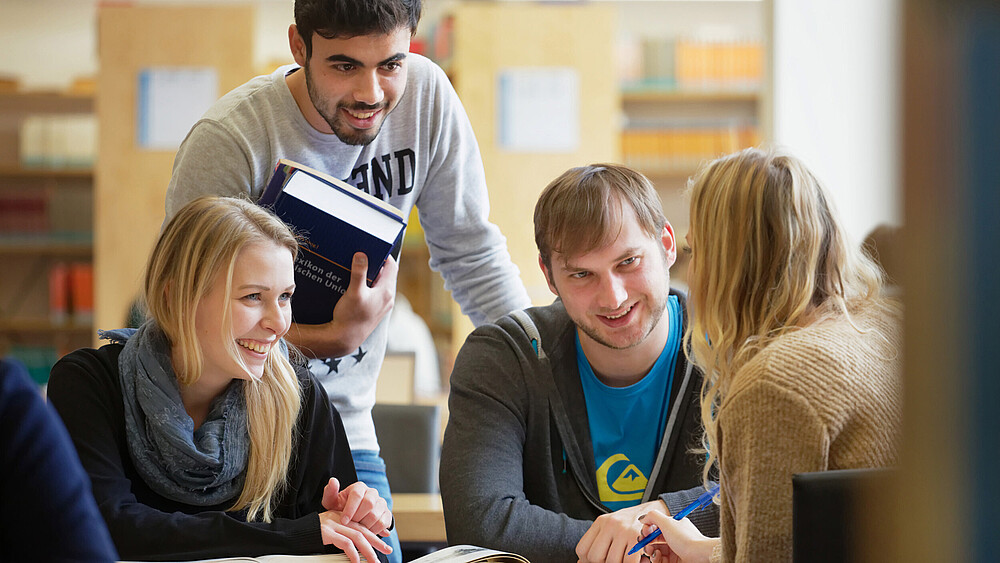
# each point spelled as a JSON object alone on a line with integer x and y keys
{"x": 825, "y": 506}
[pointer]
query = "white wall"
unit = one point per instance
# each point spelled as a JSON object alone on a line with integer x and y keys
{"x": 837, "y": 101}
{"x": 45, "y": 44}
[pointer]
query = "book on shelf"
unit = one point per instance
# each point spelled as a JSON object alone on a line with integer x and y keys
{"x": 453, "y": 554}
{"x": 23, "y": 213}
{"x": 58, "y": 140}
{"x": 59, "y": 292}
{"x": 71, "y": 292}
{"x": 335, "y": 220}
{"x": 81, "y": 292}
{"x": 687, "y": 63}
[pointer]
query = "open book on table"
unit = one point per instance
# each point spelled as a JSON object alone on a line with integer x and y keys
{"x": 453, "y": 554}
{"x": 470, "y": 554}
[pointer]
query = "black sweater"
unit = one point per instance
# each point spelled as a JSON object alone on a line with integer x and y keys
{"x": 85, "y": 389}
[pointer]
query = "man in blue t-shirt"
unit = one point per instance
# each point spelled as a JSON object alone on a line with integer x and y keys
{"x": 567, "y": 422}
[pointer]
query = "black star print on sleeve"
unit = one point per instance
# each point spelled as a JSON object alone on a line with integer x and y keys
{"x": 360, "y": 355}
{"x": 331, "y": 364}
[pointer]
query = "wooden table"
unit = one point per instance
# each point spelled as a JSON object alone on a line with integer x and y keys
{"x": 419, "y": 517}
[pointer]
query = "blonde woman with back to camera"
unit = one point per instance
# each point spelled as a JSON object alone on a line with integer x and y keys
{"x": 799, "y": 348}
{"x": 201, "y": 438}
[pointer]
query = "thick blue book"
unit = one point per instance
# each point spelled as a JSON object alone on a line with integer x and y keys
{"x": 333, "y": 220}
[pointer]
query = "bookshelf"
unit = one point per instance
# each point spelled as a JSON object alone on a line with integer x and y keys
{"x": 35, "y": 245}
{"x": 669, "y": 133}
{"x": 46, "y": 225}
{"x": 8, "y": 171}
{"x": 729, "y": 100}
{"x": 694, "y": 86}
{"x": 636, "y": 95}
{"x": 44, "y": 326}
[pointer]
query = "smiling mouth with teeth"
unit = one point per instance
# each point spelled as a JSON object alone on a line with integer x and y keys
{"x": 255, "y": 346}
{"x": 362, "y": 115}
{"x": 623, "y": 313}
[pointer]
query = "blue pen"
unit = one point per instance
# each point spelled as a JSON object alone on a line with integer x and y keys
{"x": 700, "y": 502}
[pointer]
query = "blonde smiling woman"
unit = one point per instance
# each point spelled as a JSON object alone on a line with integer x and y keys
{"x": 200, "y": 436}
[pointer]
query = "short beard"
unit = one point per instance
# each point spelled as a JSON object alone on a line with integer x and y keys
{"x": 347, "y": 134}
{"x": 655, "y": 316}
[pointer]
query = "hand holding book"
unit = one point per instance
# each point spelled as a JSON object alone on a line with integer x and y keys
{"x": 362, "y": 308}
{"x": 336, "y": 221}
{"x": 345, "y": 276}
{"x": 355, "y": 315}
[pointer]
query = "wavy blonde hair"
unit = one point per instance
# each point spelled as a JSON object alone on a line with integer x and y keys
{"x": 769, "y": 255}
{"x": 201, "y": 241}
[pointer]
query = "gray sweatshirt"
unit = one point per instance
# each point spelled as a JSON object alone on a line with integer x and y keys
{"x": 425, "y": 155}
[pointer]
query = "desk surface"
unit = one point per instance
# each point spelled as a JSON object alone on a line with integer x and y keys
{"x": 419, "y": 517}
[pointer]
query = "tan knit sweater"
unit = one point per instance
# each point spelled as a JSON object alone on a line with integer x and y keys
{"x": 824, "y": 397}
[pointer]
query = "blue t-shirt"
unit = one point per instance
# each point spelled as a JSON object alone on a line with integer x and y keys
{"x": 626, "y": 423}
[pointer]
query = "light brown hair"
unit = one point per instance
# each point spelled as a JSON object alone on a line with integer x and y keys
{"x": 582, "y": 209}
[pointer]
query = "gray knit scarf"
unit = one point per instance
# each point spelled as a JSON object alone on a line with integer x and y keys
{"x": 202, "y": 467}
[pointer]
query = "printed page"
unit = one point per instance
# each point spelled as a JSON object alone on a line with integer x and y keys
{"x": 470, "y": 554}
{"x": 319, "y": 558}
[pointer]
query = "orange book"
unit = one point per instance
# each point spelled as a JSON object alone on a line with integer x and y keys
{"x": 81, "y": 283}
{"x": 58, "y": 293}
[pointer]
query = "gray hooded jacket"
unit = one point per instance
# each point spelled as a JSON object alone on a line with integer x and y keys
{"x": 517, "y": 465}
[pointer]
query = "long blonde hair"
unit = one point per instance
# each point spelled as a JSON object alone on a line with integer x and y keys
{"x": 768, "y": 250}
{"x": 203, "y": 239}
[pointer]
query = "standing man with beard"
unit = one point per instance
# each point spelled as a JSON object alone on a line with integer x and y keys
{"x": 358, "y": 106}
{"x": 568, "y": 422}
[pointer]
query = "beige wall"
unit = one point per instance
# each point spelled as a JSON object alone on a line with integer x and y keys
{"x": 131, "y": 182}
{"x": 577, "y": 37}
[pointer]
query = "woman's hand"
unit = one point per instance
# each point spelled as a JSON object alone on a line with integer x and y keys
{"x": 611, "y": 535}
{"x": 680, "y": 542}
{"x": 352, "y": 538}
{"x": 358, "y": 503}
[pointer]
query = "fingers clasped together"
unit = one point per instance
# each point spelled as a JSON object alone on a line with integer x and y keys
{"x": 356, "y": 520}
